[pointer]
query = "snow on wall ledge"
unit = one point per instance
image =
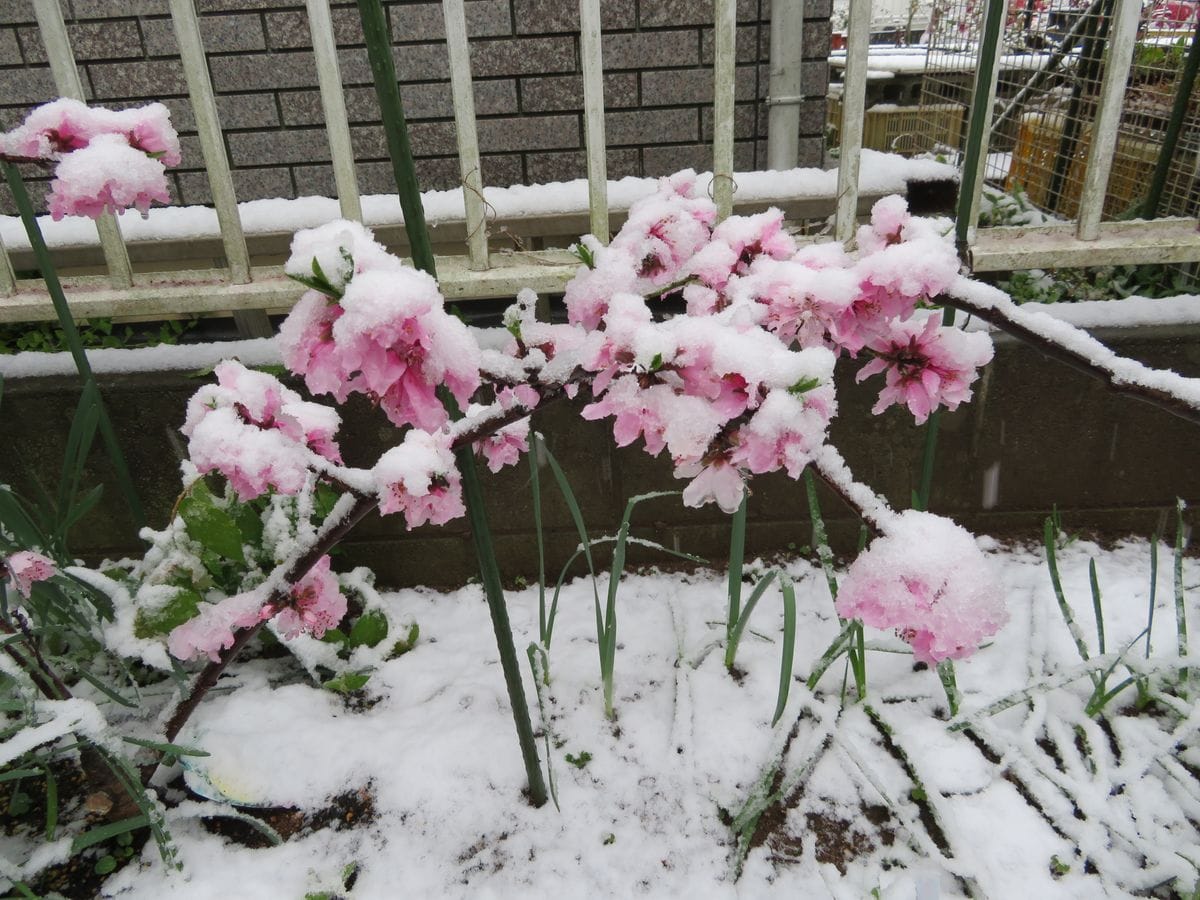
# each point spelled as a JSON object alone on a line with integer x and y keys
{"x": 881, "y": 173}
{"x": 1131, "y": 312}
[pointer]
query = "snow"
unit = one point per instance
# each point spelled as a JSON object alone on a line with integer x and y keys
{"x": 642, "y": 816}
{"x": 880, "y": 173}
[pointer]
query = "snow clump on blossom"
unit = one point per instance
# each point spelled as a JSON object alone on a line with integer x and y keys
{"x": 257, "y": 432}
{"x": 926, "y": 578}
{"x": 316, "y": 604}
{"x": 211, "y": 631}
{"x": 420, "y": 479}
{"x": 383, "y": 332}
{"x": 26, "y": 567}
{"x": 106, "y": 160}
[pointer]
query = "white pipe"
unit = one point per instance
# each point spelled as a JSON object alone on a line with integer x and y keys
{"x": 785, "y": 93}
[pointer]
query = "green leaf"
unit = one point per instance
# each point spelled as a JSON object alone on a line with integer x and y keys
{"x": 167, "y": 748}
{"x": 804, "y": 385}
{"x": 104, "y": 832}
{"x": 407, "y": 643}
{"x": 334, "y": 636}
{"x": 324, "y": 499}
{"x": 249, "y": 523}
{"x": 149, "y": 623}
{"x": 212, "y": 527}
{"x": 347, "y": 682}
{"x": 105, "y": 865}
{"x": 787, "y": 654}
{"x": 369, "y": 630}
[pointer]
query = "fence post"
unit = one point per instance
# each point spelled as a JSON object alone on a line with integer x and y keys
{"x": 854, "y": 99}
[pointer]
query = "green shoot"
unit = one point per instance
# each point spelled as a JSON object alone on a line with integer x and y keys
{"x": 737, "y": 554}
{"x": 1050, "y": 532}
{"x": 1180, "y": 609}
{"x": 945, "y": 671}
{"x": 788, "y": 652}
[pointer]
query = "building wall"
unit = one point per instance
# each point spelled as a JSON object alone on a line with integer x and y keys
{"x": 528, "y": 89}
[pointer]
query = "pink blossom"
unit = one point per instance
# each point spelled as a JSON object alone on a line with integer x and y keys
{"x": 306, "y": 344}
{"x": 316, "y": 604}
{"x": 785, "y": 431}
{"x": 211, "y": 631}
{"x": 927, "y": 579}
{"x": 254, "y": 460}
{"x": 420, "y": 479}
{"x": 107, "y": 175}
{"x": 926, "y": 366}
{"x": 26, "y": 567}
{"x": 802, "y": 303}
{"x": 635, "y": 412}
{"x": 718, "y": 482}
{"x": 889, "y": 216}
{"x": 398, "y": 343}
{"x": 504, "y": 446}
{"x": 736, "y": 244}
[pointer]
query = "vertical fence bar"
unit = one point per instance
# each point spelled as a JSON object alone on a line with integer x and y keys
{"x": 468, "y": 139}
{"x": 979, "y": 127}
{"x": 854, "y": 98}
{"x": 593, "y": 117}
{"x": 786, "y": 90}
{"x": 333, "y": 104}
{"x": 724, "y": 58}
{"x": 1121, "y": 39}
{"x": 67, "y": 83}
{"x": 250, "y": 322}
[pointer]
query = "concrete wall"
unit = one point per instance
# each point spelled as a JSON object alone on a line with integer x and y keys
{"x": 1040, "y": 433}
{"x": 528, "y": 90}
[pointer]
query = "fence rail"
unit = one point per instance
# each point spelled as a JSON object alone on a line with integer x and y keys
{"x": 247, "y": 291}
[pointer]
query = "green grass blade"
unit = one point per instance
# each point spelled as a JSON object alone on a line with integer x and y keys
{"x": 735, "y": 637}
{"x": 535, "y": 488}
{"x": 103, "y": 833}
{"x": 929, "y": 454}
{"x": 835, "y": 649}
{"x": 79, "y": 445}
{"x": 820, "y": 541}
{"x": 51, "y": 804}
{"x": 737, "y": 556}
{"x": 1180, "y": 608}
{"x": 945, "y": 671}
{"x": 1153, "y": 590}
{"x": 166, "y": 747}
{"x": 537, "y": 666}
{"x": 1097, "y": 605}
{"x": 788, "y": 652}
{"x": 1049, "y": 533}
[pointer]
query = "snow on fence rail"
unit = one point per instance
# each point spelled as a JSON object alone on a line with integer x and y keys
{"x": 247, "y": 290}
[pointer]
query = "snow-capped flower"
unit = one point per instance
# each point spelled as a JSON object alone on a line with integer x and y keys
{"x": 505, "y": 445}
{"x": 108, "y": 175}
{"x": 927, "y": 579}
{"x": 926, "y": 365}
{"x": 211, "y": 631}
{"x": 315, "y": 605}
{"x": 26, "y": 567}
{"x": 420, "y": 479}
{"x": 718, "y": 481}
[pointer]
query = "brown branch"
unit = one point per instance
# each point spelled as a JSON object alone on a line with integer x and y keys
{"x": 44, "y": 678}
{"x": 1078, "y": 361}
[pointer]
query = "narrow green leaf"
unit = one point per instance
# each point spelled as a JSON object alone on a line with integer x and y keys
{"x": 945, "y": 671}
{"x": 166, "y": 747}
{"x": 1097, "y": 605}
{"x": 835, "y": 649}
{"x": 819, "y": 540}
{"x": 105, "y": 832}
{"x": 51, "y": 804}
{"x": 545, "y": 626}
{"x": 737, "y": 556}
{"x": 1049, "y": 534}
{"x": 1153, "y": 590}
{"x": 16, "y": 774}
{"x": 1180, "y": 606}
{"x": 788, "y": 651}
{"x": 735, "y": 636}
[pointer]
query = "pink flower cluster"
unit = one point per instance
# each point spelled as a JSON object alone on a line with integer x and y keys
{"x": 315, "y": 605}
{"x": 387, "y": 335}
{"x": 420, "y": 479}
{"x": 927, "y": 579}
{"x": 25, "y": 567}
{"x": 107, "y": 160}
{"x": 257, "y": 432}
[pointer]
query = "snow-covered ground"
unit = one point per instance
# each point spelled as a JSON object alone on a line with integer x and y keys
{"x": 1037, "y": 801}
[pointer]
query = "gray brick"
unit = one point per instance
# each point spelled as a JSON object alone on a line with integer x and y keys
{"x": 667, "y": 160}
{"x": 220, "y": 34}
{"x": 26, "y": 85}
{"x": 495, "y": 97}
{"x": 812, "y": 117}
{"x": 261, "y": 148}
{"x": 150, "y": 78}
{"x": 234, "y": 110}
{"x": 559, "y": 92}
{"x": 442, "y": 173}
{"x": 812, "y": 151}
{"x": 206, "y": 6}
{"x": 190, "y": 152}
{"x": 433, "y": 138}
{"x": 663, "y": 48}
{"x": 289, "y": 30}
{"x": 541, "y": 168}
{"x": 818, "y": 9}
{"x": 817, "y": 39}
{"x": 426, "y": 22}
{"x": 17, "y": 12}
{"x": 559, "y": 16}
{"x": 90, "y": 40}
{"x": 814, "y": 78}
{"x": 263, "y": 72}
{"x": 744, "y": 122}
{"x": 368, "y": 142}
{"x": 248, "y": 184}
{"x": 689, "y": 12}
{"x": 304, "y": 107}
{"x": 115, "y": 9}
{"x": 530, "y": 133}
{"x": 642, "y": 127}
{"x": 745, "y": 45}
{"x": 522, "y": 56}
{"x": 665, "y": 88}
{"x": 10, "y": 48}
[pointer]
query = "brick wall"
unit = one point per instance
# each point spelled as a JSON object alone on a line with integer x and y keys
{"x": 528, "y": 90}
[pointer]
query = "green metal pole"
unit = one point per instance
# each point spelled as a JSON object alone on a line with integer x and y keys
{"x": 1158, "y": 180}
{"x": 379, "y": 50}
{"x": 71, "y": 334}
{"x": 989, "y": 45}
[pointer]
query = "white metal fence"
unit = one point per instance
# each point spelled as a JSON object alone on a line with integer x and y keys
{"x": 246, "y": 290}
